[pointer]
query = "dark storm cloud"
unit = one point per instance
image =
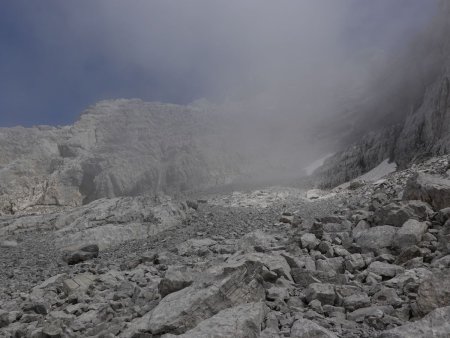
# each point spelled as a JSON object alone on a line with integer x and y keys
{"x": 287, "y": 57}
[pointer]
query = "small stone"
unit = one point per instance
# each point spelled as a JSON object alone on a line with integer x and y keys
{"x": 8, "y": 244}
{"x": 326, "y": 248}
{"x": 51, "y": 332}
{"x": 78, "y": 283}
{"x": 356, "y": 301}
{"x": 354, "y": 262}
{"x": 78, "y": 254}
{"x": 192, "y": 204}
{"x": 277, "y": 293}
{"x": 198, "y": 247}
{"x": 316, "y": 305}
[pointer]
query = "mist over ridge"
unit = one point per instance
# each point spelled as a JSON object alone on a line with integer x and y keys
{"x": 287, "y": 55}
{"x": 275, "y": 86}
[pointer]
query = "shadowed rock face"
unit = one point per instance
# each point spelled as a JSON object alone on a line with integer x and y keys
{"x": 116, "y": 148}
{"x": 422, "y": 126}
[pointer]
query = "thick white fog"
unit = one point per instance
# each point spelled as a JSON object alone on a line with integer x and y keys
{"x": 296, "y": 75}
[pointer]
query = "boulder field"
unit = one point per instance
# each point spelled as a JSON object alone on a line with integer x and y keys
{"x": 366, "y": 260}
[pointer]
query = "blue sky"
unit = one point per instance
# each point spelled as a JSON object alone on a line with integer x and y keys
{"x": 58, "y": 57}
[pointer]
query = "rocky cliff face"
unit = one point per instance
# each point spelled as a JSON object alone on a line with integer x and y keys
{"x": 357, "y": 159}
{"x": 424, "y": 129}
{"x": 117, "y": 148}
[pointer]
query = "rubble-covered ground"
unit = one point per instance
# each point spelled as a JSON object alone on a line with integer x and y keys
{"x": 368, "y": 259}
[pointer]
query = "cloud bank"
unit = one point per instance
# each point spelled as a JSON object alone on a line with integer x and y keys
{"x": 285, "y": 70}
{"x": 293, "y": 57}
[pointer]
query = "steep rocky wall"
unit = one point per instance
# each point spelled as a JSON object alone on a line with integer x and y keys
{"x": 357, "y": 159}
{"x": 116, "y": 148}
{"x": 423, "y": 132}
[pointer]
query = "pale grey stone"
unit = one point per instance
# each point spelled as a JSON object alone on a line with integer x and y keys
{"x": 436, "y": 324}
{"x": 410, "y": 233}
{"x": 304, "y": 328}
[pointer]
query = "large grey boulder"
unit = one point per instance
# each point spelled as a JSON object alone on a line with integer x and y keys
{"x": 323, "y": 292}
{"x": 394, "y": 214}
{"x": 108, "y": 222}
{"x": 422, "y": 210}
{"x": 415, "y": 276}
{"x": 274, "y": 262}
{"x": 360, "y": 228}
{"x": 434, "y": 292}
{"x": 385, "y": 269}
{"x": 410, "y": 233}
{"x": 4, "y": 318}
{"x": 242, "y": 321}
{"x": 436, "y": 324}
{"x": 376, "y": 238}
{"x": 309, "y": 241}
{"x": 431, "y": 189}
{"x": 335, "y": 264}
{"x": 176, "y": 278}
{"x": 354, "y": 262}
{"x": 223, "y": 287}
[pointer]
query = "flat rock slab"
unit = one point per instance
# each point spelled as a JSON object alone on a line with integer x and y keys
{"x": 79, "y": 283}
{"x": 385, "y": 269}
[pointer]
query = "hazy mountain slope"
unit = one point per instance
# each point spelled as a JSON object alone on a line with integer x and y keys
{"x": 411, "y": 121}
{"x": 117, "y": 148}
